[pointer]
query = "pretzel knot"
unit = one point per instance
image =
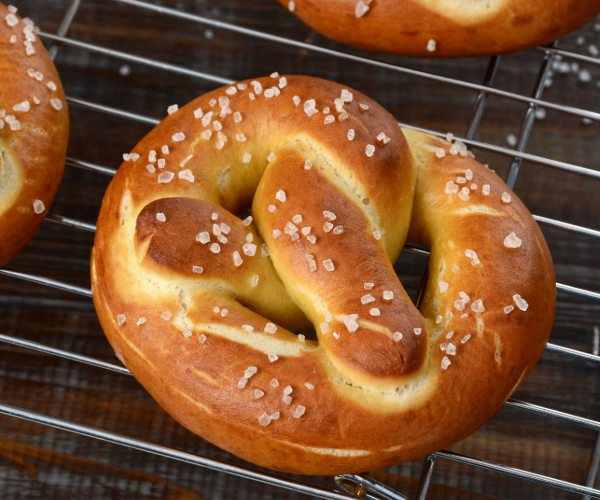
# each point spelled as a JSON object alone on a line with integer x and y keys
{"x": 201, "y": 305}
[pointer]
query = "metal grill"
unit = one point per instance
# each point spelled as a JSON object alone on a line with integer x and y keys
{"x": 351, "y": 485}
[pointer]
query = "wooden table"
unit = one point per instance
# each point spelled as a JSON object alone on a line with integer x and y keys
{"x": 38, "y": 462}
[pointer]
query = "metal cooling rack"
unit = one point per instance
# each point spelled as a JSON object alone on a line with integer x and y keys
{"x": 351, "y": 485}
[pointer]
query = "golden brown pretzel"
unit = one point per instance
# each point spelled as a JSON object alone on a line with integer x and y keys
{"x": 34, "y": 132}
{"x": 444, "y": 28}
{"x": 376, "y": 388}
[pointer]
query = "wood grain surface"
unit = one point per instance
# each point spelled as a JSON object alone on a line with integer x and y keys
{"x": 38, "y": 462}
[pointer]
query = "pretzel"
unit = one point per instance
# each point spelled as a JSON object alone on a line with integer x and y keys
{"x": 444, "y": 28}
{"x": 34, "y": 132}
{"x": 201, "y": 305}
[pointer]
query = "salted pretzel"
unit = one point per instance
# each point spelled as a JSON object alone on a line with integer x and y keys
{"x": 201, "y": 305}
{"x": 34, "y": 132}
{"x": 444, "y": 28}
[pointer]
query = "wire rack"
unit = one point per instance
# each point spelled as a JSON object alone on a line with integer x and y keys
{"x": 350, "y": 485}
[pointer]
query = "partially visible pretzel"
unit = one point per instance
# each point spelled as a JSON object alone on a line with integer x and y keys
{"x": 444, "y": 28}
{"x": 200, "y": 305}
{"x": 34, "y": 132}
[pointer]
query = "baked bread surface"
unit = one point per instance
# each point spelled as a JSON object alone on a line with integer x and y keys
{"x": 33, "y": 137}
{"x": 460, "y": 28}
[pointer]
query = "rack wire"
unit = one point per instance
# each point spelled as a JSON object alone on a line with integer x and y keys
{"x": 351, "y": 485}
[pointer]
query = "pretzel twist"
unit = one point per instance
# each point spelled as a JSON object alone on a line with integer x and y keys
{"x": 444, "y": 28}
{"x": 34, "y": 132}
{"x": 376, "y": 388}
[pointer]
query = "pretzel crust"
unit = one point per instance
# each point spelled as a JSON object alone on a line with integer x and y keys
{"x": 32, "y": 159}
{"x": 459, "y": 28}
{"x": 375, "y": 400}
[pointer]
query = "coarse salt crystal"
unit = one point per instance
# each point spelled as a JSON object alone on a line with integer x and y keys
{"x": 299, "y": 411}
{"x": 366, "y": 299}
{"x": 296, "y": 100}
{"x": 56, "y": 104}
{"x": 264, "y": 419}
{"x": 459, "y": 304}
{"x": 328, "y": 226}
{"x": 377, "y": 234}
{"x": 485, "y": 189}
{"x": 369, "y": 150}
{"x": 440, "y": 152}
{"x": 324, "y": 327}
{"x": 443, "y": 286}
{"x": 165, "y": 177}
{"x": 329, "y": 119}
{"x": 508, "y": 309}
{"x": 186, "y": 175}
{"x": 187, "y": 333}
{"x": 280, "y": 196}
{"x": 350, "y": 322}
{"x": 477, "y": 306}
{"x": 506, "y": 197}
{"x": 197, "y": 269}
{"x": 520, "y": 302}
{"x": 361, "y": 8}
{"x": 276, "y": 233}
{"x": 167, "y": 315}
{"x": 328, "y": 265}
{"x": 141, "y": 321}
{"x": 431, "y": 45}
{"x": 23, "y": 106}
{"x": 161, "y": 217}
{"x": 374, "y": 311}
{"x": 38, "y": 206}
{"x": 446, "y": 363}
{"x": 512, "y": 241}
{"x": 11, "y": 20}
{"x": 369, "y": 286}
{"x": 451, "y": 349}
{"x": 237, "y": 260}
{"x": 215, "y": 248}
{"x": 248, "y": 328}
{"x": 351, "y": 134}
{"x": 338, "y": 229}
{"x": 397, "y": 336}
{"x": 309, "y": 107}
{"x": 417, "y": 331}
{"x": 203, "y": 237}
{"x": 272, "y": 357}
{"x": 270, "y": 328}
{"x": 178, "y": 137}
{"x": 171, "y": 109}
{"x": 121, "y": 318}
